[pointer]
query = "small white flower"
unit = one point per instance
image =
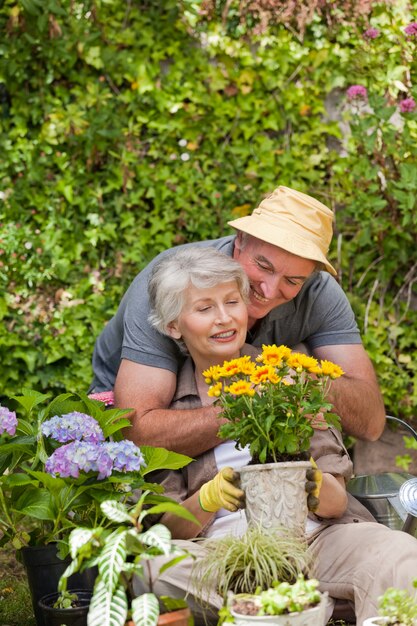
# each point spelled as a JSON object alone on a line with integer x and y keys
{"x": 182, "y": 143}
{"x": 185, "y": 156}
{"x": 2, "y": 195}
{"x": 28, "y": 245}
{"x": 172, "y": 156}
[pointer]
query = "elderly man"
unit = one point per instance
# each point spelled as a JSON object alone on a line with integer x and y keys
{"x": 294, "y": 299}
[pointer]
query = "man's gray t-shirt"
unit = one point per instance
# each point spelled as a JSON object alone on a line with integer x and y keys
{"x": 319, "y": 315}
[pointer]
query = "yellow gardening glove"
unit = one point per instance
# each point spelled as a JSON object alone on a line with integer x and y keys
{"x": 313, "y": 485}
{"x": 222, "y": 492}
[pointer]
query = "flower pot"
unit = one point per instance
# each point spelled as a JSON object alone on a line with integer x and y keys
{"x": 74, "y": 616}
{"x": 44, "y": 568}
{"x": 376, "y": 621}
{"x": 180, "y": 617}
{"x": 315, "y": 616}
{"x": 275, "y": 494}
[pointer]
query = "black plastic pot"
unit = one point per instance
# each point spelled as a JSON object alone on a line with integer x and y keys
{"x": 74, "y": 616}
{"x": 44, "y": 569}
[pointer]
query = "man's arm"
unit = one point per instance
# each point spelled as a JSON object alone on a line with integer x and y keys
{"x": 356, "y": 396}
{"x": 149, "y": 391}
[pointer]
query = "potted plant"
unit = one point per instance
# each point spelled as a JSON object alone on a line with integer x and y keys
{"x": 271, "y": 406}
{"x": 283, "y": 604}
{"x": 120, "y": 552}
{"x": 397, "y": 607}
{"x": 59, "y": 459}
{"x": 251, "y": 561}
{"x": 69, "y": 608}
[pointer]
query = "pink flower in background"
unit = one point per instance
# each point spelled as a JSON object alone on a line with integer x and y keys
{"x": 411, "y": 29}
{"x": 371, "y": 33}
{"x": 357, "y": 92}
{"x": 104, "y": 396}
{"x": 407, "y": 105}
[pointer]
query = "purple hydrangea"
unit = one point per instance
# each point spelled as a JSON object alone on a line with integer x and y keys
{"x": 73, "y": 426}
{"x": 126, "y": 456}
{"x": 8, "y": 421}
{"x": 371, "y": 33}
{"x": 69, "y": 460}
{"x": 357, "y": 92}
{"x": 407, "y": 105}
{"x": 411, "y": 29}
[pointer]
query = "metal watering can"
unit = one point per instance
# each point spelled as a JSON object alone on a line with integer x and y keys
{"x": 391, "y": 497}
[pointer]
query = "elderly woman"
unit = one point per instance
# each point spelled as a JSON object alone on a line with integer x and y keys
{"x": 198, "y": 297}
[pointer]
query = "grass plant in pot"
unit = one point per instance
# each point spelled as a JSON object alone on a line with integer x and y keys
{"x": 251, "y": 561}
{"x": 120, "y": 552}
{"x": 397, "y": 607}
{"x": 245, "y": 569}
{"x": 59, "y": 459}
{"x": 272, "y": 406}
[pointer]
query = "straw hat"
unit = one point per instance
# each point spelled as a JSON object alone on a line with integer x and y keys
{"x": 294, "y": 222}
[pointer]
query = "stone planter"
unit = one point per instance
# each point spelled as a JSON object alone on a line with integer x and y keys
{"x": 275, "y": 494}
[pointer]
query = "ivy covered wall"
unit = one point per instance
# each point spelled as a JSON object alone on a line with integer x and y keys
{"x": 127, "y": 127}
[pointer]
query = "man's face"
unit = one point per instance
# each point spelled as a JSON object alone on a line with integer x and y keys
{"x": 275, "y": 276}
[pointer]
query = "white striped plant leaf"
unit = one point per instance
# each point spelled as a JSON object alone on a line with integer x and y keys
{"x": 116, "y": 511}
{"x": 107, "y": 609}
{"x": 145, "y": 610}
{"x": 72, "y": 567}
{"x": 78, "y": 538}
{"x": 157, "y": 536}
{"x": 112, "y": 559}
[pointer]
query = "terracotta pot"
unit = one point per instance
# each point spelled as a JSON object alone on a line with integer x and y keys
{"x": 181, "y": 617}
{"x": 275, "y": 494}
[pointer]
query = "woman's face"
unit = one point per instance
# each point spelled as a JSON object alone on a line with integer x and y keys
{"x": 212, "y": 323}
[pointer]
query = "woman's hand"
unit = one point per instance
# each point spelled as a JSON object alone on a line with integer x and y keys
{"x": 222, "y": 492}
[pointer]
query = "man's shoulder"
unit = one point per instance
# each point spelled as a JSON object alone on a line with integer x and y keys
{"x": 321, "y": 285}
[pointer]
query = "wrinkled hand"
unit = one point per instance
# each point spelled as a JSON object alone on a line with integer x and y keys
{"x": 318, "y": 421}
{"x": 222, "y": 492}
{"x": 313, "y": 485}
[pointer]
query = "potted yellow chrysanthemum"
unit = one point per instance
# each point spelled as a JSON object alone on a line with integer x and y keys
{"x": 271, "y": 406}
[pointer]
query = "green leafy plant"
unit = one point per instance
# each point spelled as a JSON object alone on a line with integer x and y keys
{"x": 280, "y": 599}
{"x": 271, "y": 406}
{"x": 252, "y": 561}
{"x": 60, "y": 459}
{"x": 399, "y": 607}
{"x": 121, "y": 552}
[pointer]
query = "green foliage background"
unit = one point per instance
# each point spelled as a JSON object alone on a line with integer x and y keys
{"x": 127, "y": 127}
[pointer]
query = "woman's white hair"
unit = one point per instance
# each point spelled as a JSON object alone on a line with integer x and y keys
{"x": 202, "y": 267}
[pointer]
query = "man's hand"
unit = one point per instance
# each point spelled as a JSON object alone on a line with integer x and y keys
{"x": 313, "y": 485}
{"x": 222, "y": 492}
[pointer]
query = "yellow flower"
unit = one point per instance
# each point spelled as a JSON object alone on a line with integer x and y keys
{"x": 215, "y": 390}
{"x": 235, "y": 366}
{"x": 331, "y": 369}
{"x": 273, "y": 376}
{"x": 260, "y": 375}
{"x": 300, "y": 361}
{"x": 212, "y": 373}
{"x": 274, "y": 355}
{"x": 240, "y": 388}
